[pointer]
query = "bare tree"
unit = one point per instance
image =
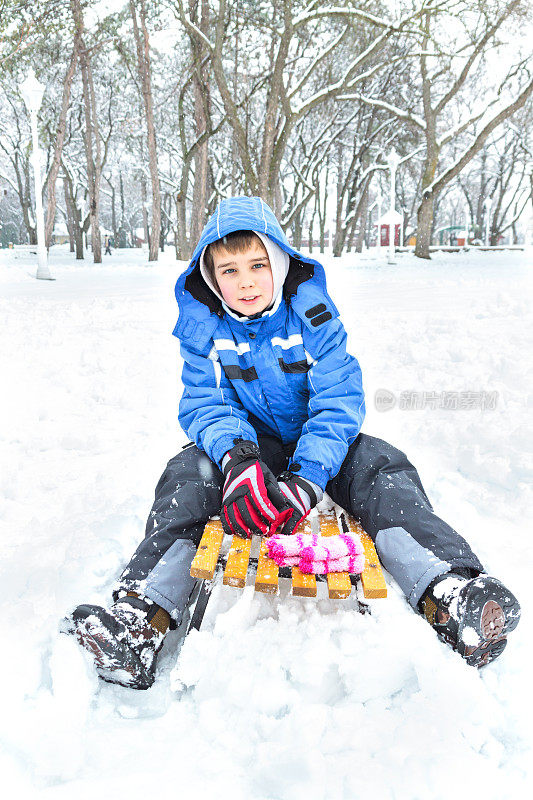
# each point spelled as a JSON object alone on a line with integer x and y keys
{"x": 367, "y": 141}
{"x": 286, "y": 103}
{"x": 14, "y": 144}
{"x": 59, "y": 140}
{"x": 440, "y": 85}
{"x": 498, "y": 183}
{"x": 22, "y": 23}
{"x": 93, "y": 146}
{"x": 142, "y": 43}
{"x": 202, "y": 116}
{"x": 78, "y": 217}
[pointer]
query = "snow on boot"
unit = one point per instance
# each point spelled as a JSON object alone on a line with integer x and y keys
{"x": 472, "y": 615}
{"x": 123, "y": 641}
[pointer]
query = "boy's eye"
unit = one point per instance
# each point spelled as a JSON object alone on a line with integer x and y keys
{"x": 231, "y": 270}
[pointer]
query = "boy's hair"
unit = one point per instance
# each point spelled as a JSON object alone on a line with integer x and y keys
{"x": 235, "y": 242}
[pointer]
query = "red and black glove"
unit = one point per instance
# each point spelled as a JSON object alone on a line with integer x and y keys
{"x": 302, "y": 496}
{"x": 252, "y": 501}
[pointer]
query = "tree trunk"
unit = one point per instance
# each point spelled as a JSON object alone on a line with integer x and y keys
{"x": 144, "y": 201}
{"x": 75, "y": 216}
{"x": 268, "y": 172}
{"x": 22, "y": 172}
{"x": 363, "y": 216}
{"x": 321, "y": 211}
{"x": 144, "y": 71}
{"x": 199, "y": 200}
{"x": 236, "y": 56}
{"x": 94, "y": 184}
{"x": 311, "y": 227}
{"x": 201, "y": 112}
{"x": 114, "y": 214}
{"x": 60, "y": 138}
{"x": 297, "y": 230}
{"x": 424, "y": 227}
{"x": 482, "y": 194}
{"x": 92, "y": 134}
{"x": 338, "y": 241}
{"x": 426, "y": 208}
{"x": 360, "y": 236}
{"x": 183, "y": 242}
{"x": 78, "y": 241}
{"x": 70, "y": 221}
{"x": 29, "y": 220}
{"x": 350, "y": 237}
{"x": 123, "y": 239}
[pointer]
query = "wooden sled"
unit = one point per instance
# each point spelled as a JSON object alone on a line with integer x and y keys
{"x": 235, "y": 566}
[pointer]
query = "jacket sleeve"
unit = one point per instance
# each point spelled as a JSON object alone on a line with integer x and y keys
{"x": 336, "y": 407}
{"x": 210, "y": 411}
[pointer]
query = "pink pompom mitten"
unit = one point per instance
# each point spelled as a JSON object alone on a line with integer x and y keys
{"x": 318, "y": 554}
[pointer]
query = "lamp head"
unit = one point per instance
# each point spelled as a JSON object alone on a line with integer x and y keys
{"x": 32, "y": 92}
{"x": 393, "y": 159}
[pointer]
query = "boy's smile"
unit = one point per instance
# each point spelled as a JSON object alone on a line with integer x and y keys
{"x": 244, "y": 279}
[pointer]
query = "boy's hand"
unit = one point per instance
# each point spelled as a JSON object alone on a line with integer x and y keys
{"x": 302, "y": 496}
{"x": 252, "y": 501}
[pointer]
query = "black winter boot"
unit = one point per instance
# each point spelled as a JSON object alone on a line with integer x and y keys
{"x": 123, "y": 641}
{"x": 472, "y": 615}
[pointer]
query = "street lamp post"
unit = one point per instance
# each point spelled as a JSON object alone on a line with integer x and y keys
{"x": 32, "y": 92}
{"x": 393, "y": 159}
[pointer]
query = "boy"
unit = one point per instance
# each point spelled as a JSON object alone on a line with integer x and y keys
{"x": 274, "y": 404}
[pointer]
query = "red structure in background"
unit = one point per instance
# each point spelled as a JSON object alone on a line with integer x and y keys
{"x": 384, "y": 226}
{"x": 385, "y": 233}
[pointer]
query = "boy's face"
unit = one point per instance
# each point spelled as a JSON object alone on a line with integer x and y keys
{"x": 244, "y": 279}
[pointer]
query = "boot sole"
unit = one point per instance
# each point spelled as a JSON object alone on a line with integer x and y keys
{"x": 490, "y": 612}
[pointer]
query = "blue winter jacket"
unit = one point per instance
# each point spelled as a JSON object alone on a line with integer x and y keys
{"x": 287, "y": 375}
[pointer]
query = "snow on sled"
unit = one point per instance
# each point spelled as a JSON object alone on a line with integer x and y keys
{"x": 208, "y": 562}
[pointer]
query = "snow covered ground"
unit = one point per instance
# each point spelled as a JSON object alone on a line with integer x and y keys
{"x": 276, "y": 698}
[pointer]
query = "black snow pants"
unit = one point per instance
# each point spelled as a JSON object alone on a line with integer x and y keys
{"x": 376, "y": 484}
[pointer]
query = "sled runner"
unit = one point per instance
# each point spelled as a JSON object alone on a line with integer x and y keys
{"x": 208, "y": 562}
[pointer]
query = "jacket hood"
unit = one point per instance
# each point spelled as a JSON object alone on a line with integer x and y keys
{"x": 200, "y": 310}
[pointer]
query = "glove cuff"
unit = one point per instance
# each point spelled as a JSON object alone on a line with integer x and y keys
{"x": 314, "y": 492}
{"x": 244, "y": 450}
